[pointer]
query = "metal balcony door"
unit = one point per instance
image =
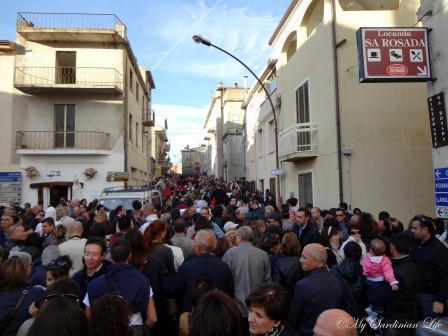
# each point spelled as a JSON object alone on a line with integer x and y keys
{"x": 64, "y": 125}
{"x": 303, "y": 116}
{"x": 65, "y": 67}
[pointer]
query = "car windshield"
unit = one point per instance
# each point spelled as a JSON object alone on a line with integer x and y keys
{"x": 112, "y": 203}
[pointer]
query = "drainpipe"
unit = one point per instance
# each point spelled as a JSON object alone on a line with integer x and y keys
{"x": 337, "y": 101}
{"x": 125, "y": 110}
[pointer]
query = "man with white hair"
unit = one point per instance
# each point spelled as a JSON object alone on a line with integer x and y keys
{"x": 319, "y": 291}
{"x": 250, "y": 266}
{"x": 206, "y": 264}
{"x": 74, "y": 246}
{"x": 149, "y": 212}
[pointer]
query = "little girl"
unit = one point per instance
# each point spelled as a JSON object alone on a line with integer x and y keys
{"x": 380, "y": 278}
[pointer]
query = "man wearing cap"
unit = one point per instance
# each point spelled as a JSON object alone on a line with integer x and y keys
{"x": 228, "y": 226}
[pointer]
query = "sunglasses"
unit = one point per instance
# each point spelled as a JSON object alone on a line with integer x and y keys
{"x": 57, "y": 262}
{"x": 355, "y": 232}
{"x": 68, "y": 295}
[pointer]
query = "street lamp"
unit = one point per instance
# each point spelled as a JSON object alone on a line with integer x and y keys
{"x": 201, "y": 40}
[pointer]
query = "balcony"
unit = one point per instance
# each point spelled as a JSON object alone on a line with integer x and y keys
{"x": 35, "y": 80}
{"x": 148, "y": 118}
{"x": 50, "y": 142}
{"x": 71, "y": 27}
{"x": 298, "y": 142}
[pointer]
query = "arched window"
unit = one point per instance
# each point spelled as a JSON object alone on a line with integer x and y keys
{"x": 313, "y": 17}
{"x": 290, "y": 47}
{"x": 365, "y": 5}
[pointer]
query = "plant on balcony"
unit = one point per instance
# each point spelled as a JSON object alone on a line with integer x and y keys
{"x": 90, "y": 173}
{"x": 31, "y": 172}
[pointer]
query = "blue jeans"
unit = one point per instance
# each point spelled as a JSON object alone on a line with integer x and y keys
{"x": 378, "y": 293}
{"x": 425, "y": 302}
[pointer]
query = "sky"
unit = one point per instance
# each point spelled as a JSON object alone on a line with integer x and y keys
{"x": 160, "y": 32}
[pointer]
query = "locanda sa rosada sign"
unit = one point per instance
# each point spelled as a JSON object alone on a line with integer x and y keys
{"x": 393, "y": 55}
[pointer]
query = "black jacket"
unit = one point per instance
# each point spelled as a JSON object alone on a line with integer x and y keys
{"x": 351, "y": 271}
{"x": 83, "y": 279}
{"x": 206, "y": 264}
{"x": 319, "y": 291}
{"x": 431, "y": 260}
{"x": 403, "y": 306}
{"x": 286, "y": 271}
{"x": 309, "y": 235}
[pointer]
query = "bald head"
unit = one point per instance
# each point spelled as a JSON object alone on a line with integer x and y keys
{"x": 313, "y": 256}
{"x": 335, "y": 322}
{"x": 205, "y": 241}
{"x": 75, "y": 229}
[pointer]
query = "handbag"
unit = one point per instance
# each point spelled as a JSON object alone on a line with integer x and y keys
{"x": 4, "y": 324}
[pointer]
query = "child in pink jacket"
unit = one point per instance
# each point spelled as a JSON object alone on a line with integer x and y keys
{"x": 380, "y": 278}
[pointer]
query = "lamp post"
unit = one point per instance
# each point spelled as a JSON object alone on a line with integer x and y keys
{"x": 199, "y": 39}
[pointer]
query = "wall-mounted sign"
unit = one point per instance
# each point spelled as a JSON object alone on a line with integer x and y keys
{"x": 277, "y": 172}
{"x": 393, "y": 55}
{"x": 437, "y": 120}
{"x": 10, "y": 187}
{"x": 117, "y": 177}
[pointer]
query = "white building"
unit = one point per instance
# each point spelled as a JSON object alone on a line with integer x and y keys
{"x": 80, "y": 105}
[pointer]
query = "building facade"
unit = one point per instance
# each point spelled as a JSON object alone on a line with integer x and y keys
{"x": 434, "y": 15}
{"x": 223, "y": 128}
{"x": 340, "y": 140}
{"x": 161, "y": 149}
{"x": 192, "y": 159}
{"x": 80, "y": 105}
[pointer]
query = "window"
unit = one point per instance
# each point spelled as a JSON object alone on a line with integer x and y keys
{"x": 130, "y": 127}
{"x": 136, "y": 91}
{"x": 131, "y": 80}
{"x": 137, "y": 135}
{"x": 305, "y": 189}
{"x": 65, "y": 67}
{"x": 271, "y": 137}
{"x": 64, "y": 126}
{"x": 261, "y": 185}
{"x": 302, "y": 104}
{"x": 290, "y": 47}
{"x": 260, "y": 143}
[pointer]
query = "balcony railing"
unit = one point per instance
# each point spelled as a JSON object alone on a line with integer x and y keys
{"x": 148, "y": 118}
{"x": 44, "y": 140}
{"x": 298, "y": 138}
{"x": 90, "y": 77}
{"x": 70, "y": 21}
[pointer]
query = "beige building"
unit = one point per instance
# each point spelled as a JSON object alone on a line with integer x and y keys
{"x": 339, "y": 140}
{"x": 80, "y": 104}
{"x": 192, "y": 159}
{"x": 223, "y": 126}
{"x": 161, "y": 150}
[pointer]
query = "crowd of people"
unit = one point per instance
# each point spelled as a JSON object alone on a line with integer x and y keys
{"x": 218, "y": 259}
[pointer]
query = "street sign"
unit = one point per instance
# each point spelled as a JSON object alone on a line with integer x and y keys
{"x": 117, "y": 177}
{"x": 441, "y": 191}
{"x": 393, "y": 55}
{"x": 10, "y": 187}
{"x": 437, "y": 119}
{"x": 277, "y": 172}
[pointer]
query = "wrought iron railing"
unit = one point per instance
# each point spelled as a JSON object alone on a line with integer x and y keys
{"x": 298, "y": 138}
{"x": 77, "y": 76}
{"x": 70, "y": 21}
{"x": 62, "y": 140}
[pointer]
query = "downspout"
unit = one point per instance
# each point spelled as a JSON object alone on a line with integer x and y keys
{"x": 125, "y": 110}
{"x": 337, "y": 100}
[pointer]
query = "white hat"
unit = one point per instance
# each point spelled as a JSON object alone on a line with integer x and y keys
{"x": 230, "y": 225}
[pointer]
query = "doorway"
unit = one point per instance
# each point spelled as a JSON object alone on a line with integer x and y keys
{"x": 65, "y": 67}
{"x": 56, "y": 193}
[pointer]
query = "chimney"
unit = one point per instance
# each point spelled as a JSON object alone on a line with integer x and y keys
{"x": 235, "y": 85}
{"x": 245, "y": 82}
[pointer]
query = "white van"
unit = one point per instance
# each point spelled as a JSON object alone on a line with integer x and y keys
{"x": 112, "y": 197}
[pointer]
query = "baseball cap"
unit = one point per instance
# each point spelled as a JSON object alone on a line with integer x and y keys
{"x": 230, "y": 225}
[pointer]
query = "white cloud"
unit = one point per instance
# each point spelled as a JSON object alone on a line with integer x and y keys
{"x": 184, "y": 126}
